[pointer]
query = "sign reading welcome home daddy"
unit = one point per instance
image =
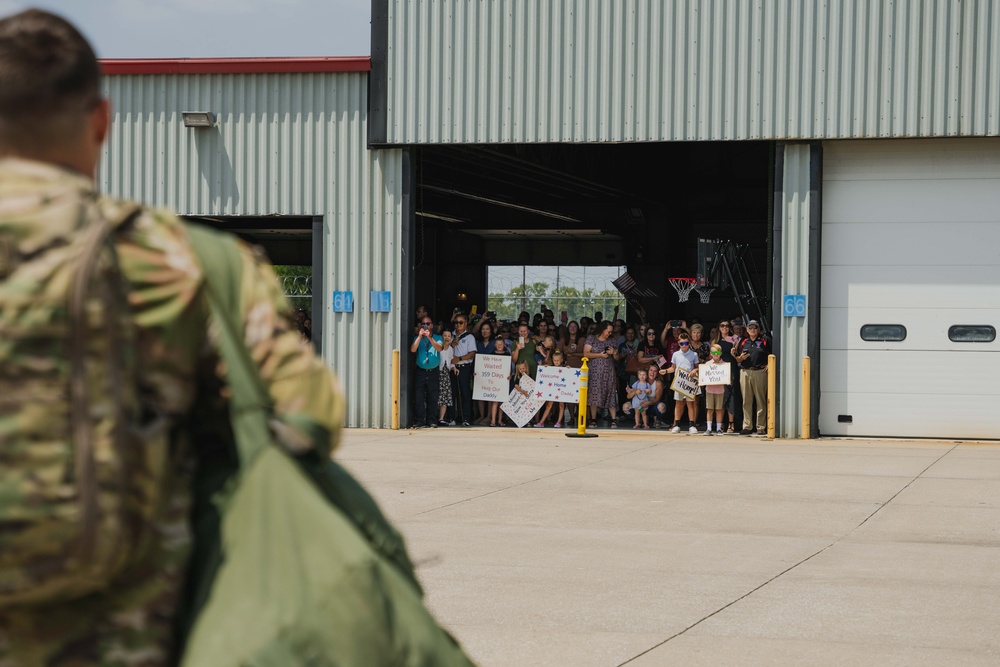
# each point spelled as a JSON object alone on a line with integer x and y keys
{"x": 521, "y": 408}
{"x": 557, "y": 383}
{"x": 713, "y": 374}
{"x": 491, "y": 377}
{"x": 684, "y": 384}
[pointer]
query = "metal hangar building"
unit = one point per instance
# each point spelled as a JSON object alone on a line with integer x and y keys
{"x": 852, "y": 145}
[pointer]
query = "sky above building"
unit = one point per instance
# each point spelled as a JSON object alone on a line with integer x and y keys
{"x": 215, "y": 28}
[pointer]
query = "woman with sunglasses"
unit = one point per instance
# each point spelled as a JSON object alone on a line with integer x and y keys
{"x": 648, "y": 349}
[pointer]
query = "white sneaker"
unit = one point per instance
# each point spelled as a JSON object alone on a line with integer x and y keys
{"x": 706, "y": 432}
{"x": 676, "y": 429}
{"x": 693, "y": 429}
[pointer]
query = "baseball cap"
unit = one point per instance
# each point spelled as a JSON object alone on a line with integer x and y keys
{"x": 753, "y": 323}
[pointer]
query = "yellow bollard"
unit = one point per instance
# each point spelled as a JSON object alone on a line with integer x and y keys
{"x": 581, "y": 420}
{"x": 806, "y": 406}
{"x": 772, "y": 393}
{"x": 395, "y": 390}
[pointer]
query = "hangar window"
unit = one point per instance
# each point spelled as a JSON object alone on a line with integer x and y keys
{"x": 972, "y": 333}
{"x": 576, "y": 290}
{"x": 883, "y": 332}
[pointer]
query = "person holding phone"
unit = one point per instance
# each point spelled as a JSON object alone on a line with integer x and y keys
{"x": 603, "y": 381}
{"x": 427, "y": 348}
{"x": 751, "y": 353}
{"x": 524, "y": 349}
{"x": 669, "y": 336}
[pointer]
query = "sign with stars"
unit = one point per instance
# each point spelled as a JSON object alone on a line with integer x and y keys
{"x": 557, "y": 383}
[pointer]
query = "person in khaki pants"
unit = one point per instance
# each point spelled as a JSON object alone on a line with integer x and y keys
{"x": 751, "y": 353}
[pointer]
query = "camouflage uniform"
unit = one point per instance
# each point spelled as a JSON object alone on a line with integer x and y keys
{"x": 180, "y": 390}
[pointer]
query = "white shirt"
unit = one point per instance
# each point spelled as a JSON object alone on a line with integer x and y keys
{"x": 447, "y": 354}
{"x": 464, "y": 347}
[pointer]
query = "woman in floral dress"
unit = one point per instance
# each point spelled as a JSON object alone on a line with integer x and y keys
{"x": 601, "y": 353}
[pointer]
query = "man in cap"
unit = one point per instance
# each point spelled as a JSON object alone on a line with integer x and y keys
{"x": 53, "y": 122}
{"x": 752, "y": 353}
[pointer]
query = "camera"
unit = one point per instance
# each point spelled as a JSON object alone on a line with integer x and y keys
{"x": 675, "y": 323}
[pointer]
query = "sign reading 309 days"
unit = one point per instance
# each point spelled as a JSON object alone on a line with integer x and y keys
{"x": 491, "y": 377}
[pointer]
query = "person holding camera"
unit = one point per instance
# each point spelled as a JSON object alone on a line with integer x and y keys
{"x": 427, "y": 347}
{"x": 751, "y": 353}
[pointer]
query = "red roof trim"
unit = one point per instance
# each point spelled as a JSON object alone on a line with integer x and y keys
{"x": 236, "y": 65}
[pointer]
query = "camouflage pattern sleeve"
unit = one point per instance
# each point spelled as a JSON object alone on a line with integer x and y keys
{"x": 166, "y": 283}
{"x": 307, "y": 398}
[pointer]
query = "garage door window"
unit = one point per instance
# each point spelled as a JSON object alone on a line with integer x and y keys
{"x": 883, "y": 332}
{"x": 972, "y": 333}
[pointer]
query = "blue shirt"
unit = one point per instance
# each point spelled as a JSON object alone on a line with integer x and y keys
{"x": 428, "y": 356}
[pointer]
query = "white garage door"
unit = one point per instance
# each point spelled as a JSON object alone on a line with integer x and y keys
{"x": 911, "y": 261}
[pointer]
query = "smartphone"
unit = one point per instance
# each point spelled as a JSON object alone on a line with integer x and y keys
{"x": 564, "y": 316}
{"x": 474, "y": 309}
{"x": 520, "y": 339}
{"x": 675, "y": 323}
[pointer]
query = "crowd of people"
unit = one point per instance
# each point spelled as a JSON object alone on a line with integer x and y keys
{"x": 631, "y": 369}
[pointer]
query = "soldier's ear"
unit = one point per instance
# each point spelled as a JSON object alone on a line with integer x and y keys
{"x": 99, "y": 122}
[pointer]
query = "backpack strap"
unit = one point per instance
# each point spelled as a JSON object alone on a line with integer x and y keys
{"x": 251, "y": 405}
{"x": 95, "y": 240}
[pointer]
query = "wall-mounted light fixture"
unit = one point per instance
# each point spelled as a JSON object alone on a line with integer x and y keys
{"x": 198, "y": 118}
{"x": 461, "y": 296}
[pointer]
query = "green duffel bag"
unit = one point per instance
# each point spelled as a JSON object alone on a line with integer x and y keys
{"x": 300, "y": 581}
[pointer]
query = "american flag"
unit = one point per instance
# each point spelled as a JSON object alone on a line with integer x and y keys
{"x": 628, "y": 286}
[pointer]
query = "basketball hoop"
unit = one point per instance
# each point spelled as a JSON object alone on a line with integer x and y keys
{"x": 683, "y": 287}
{"x": 704, "y": 292}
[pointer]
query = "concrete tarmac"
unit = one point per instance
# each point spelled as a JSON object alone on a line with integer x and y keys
{"x": 656, "y": 549}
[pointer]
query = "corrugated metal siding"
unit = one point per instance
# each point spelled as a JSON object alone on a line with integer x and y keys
{"x": 285, "y": 144}
{"x": 678, "y": 70}
{"x": 795, "y": 212}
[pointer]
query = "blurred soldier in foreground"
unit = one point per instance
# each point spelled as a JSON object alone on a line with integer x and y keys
{"x": 108, "y": 374}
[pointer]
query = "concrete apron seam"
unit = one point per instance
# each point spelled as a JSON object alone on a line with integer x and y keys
{"x": 792, "y": 567}
{"x": 532, "y": 481}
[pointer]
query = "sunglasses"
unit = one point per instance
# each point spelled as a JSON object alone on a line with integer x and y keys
{"x": 459, "y": 321}
{"x": 716, "y": 354}
{"x": 427, "y": 325}
{"x": 684, "y": 344}
{"x": 726, "y": 325}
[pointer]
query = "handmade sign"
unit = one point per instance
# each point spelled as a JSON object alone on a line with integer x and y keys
{"x": 491, "y": 377}
{"x": 521, "y": 408}
{"x": 556, "y": 383}
{"x": 713, "y": 374}
{"x": 684, "y": 384}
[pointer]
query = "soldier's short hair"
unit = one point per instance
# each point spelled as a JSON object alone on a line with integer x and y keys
{"x": 49, "y": 79}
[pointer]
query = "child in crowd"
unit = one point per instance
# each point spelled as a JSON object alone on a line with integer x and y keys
{"x": 496, "y": 415}
{"x": 714, "y": 394}
{"x": 445, "y": 369}
{"x": 520, "y": 370}
{"x": 639, "y": 393}
{"x": 687, "y": 359}
{"x": 558, "y": 360}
